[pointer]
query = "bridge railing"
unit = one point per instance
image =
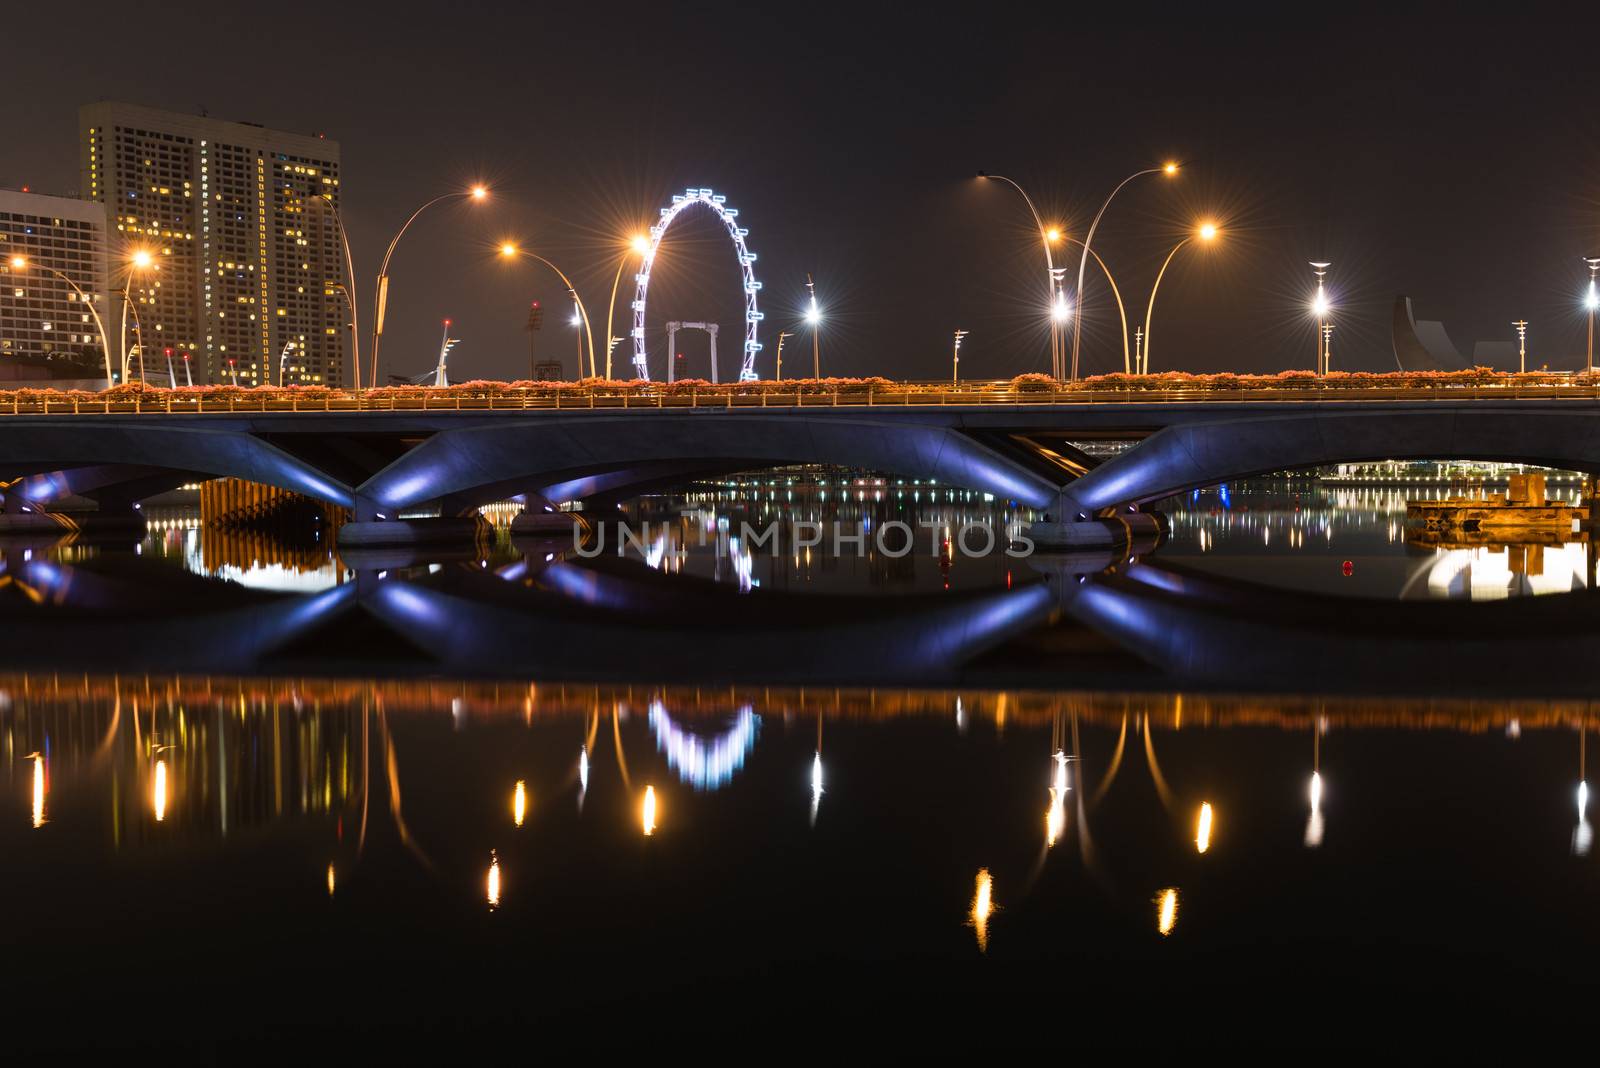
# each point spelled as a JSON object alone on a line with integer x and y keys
{"x": 24, "y": 402}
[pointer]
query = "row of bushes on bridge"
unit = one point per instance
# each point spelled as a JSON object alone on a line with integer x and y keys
{"x": 1027, "y": 383}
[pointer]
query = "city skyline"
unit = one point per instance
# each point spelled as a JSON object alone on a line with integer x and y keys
{"x": 860, "y": 182}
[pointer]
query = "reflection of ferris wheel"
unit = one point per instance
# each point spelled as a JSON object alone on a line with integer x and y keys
{"x": 752, "y": 317}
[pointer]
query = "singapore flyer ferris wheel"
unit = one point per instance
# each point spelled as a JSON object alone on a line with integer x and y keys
{"x": 691, "y": 198}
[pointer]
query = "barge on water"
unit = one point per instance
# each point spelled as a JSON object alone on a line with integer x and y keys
{"x": 1520, "y": 514}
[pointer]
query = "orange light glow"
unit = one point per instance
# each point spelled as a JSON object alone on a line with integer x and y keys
{"x": 1170, "y": 169}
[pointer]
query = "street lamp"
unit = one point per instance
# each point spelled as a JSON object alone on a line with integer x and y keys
{"x": 639, "y": 245}
{"x": 782, "y": 335}
{"x": 1169, "y": 169}
{"x": 326, "y": 200}
{"x": 1591, "y": 301}
{"x": 1319, "y": 308}
{"x": 814, "y": 320}
{"x": 20, "y": 263}
{"x": 1206, "y": 232}
{"x": 138, "y": 260}
{"x": 1057, "y": 300}
{"x": 955, "y": 364}
{"x": 476, "y": 193}
{"x": 1522, "y": 345}
{"x": 511, "y": 251}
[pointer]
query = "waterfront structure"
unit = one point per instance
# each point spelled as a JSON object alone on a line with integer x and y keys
{"x": 53, "y": 290}
{"x": 244, "y": 265}
{"x": 453, "y": 460}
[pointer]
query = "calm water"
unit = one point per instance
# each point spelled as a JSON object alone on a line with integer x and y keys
{"x": 1283, "y": 778}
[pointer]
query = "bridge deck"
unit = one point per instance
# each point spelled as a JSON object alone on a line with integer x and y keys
{"x": 251, "y": 401}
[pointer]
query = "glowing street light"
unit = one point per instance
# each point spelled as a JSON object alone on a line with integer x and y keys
{"x": 1050, "y": 236}
{"x": 476, "y": 194}
{"x": 139, "y": 259}
{"x": 1591, "y": 302}
{"x": 955, "y": 365}
{"x": 1320, "y": 309}
{"x": 638, "y": 245}
{"x": 509, "y": 251}
{"x": 814, "y": 321}
{"x": 20, "y": 263}
{"x": 349, "y": 286}
{"x": 1206, "y": 232}
{"x": 1170, "y": 169}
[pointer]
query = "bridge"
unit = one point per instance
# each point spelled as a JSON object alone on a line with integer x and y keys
{"x": 411, "y": 461}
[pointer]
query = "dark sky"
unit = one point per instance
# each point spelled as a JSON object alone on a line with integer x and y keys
{"x": 1451, "y": 160}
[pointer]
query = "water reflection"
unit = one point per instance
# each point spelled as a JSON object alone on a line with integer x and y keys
{"x": 982, "y": 908}
{"x": 1167, "y": 910}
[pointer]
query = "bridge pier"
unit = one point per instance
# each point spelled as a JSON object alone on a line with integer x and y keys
{"x": 405, "y": 533}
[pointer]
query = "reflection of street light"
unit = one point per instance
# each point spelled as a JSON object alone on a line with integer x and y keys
{"x": 814, "y": 320}
{"x": 1202, "y": 829}
{"x": 477, "y": 193}
{"x": 1206, "y": 232}
{"x": 647, "y": 813}
{"x": 1050, "y": 236}
{"x": 511, "y": 251}
{"x": 1169, "y": 169}
{"x": 19, "y": 263}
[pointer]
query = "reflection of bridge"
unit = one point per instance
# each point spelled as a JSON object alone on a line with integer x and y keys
{"x": 450, "y": 462}
{"x": 1148, "y": 626}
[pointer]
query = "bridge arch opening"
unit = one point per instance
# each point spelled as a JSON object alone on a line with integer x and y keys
{"x": 695, "y": 198}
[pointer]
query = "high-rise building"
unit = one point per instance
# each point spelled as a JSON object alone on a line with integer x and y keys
{"x": 241, "y": 227}
{"x": 52, "y": 289}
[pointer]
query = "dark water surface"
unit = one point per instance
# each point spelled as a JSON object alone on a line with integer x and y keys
{"x": 259, "y": 801}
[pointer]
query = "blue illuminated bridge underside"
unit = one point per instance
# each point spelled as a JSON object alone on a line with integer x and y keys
{"x": 382, "y": 463}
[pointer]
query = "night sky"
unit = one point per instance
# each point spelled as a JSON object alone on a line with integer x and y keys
{"x": 1451, "y": 161}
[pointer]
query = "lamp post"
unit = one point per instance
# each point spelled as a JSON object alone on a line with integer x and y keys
{"x": 955, "y": 363}
{"x": 19, "y": 263}
{"x": 349, "y": 288}
{"x": 781, "y": 336}
{"x": 814, "y": 320}
{"x": 1170, "y": 170}
{"x": 1319, "y": 308}
{"x": 1591, "y": 301}
{"x": 138, "y": 260}
{"x": 638, "y": 246}
{"x": 477, "y": 192}
{"x": 511, "y": 251}
{"x": 1522, "y": 345}
{"x": 1056, "y": 299}
{"x": 1206, "y": 232}
{"x": 1327, "y": 347}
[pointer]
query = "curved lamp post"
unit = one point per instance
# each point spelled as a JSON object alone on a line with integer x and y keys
{"x": 20, "y": 263}
{"x": 638, "y": 246}
{"x": 1205, "y": 232}
{"x": 349, "y": 288}
{"x": 1168, "y": 169}
{"x": 1057, "y": 300}
{"x": 1122, "y": 312}
{"x": 510, "y": 251}
{"x": 477, "y": 192}
{"x": 138, "y": 260}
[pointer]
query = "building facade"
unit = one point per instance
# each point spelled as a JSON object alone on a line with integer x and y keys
{"x": 53, "y": 286}
{"x": 240, "y": 225}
